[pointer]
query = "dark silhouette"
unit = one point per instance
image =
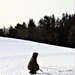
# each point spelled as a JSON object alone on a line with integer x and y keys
{"x": 33, "y": 65}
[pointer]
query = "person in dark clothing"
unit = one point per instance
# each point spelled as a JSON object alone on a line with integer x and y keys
{"x": 33, "y": 65}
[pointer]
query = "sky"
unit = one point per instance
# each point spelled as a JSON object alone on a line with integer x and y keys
{"x": 19, "y": 11}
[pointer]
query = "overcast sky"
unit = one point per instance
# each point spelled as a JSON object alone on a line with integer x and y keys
{"x": 17, "y": 11}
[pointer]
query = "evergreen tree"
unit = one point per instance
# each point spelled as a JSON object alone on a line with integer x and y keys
{"x": 31, "y": 30}
{"x": 44, "y": 29}
{"x": 21, "y": 31}
{"x": 1, "y": 32}
{"x": 12, "y": 32}
{"x": 49, "y": 30}
{"x": 71, "y": 37}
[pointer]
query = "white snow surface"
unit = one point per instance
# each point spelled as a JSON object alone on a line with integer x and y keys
{"x": 53, "y": 60}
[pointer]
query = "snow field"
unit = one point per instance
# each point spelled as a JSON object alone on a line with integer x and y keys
{"x": 53, "y": 60}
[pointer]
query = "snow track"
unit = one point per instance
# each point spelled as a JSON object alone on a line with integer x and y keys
{"x": 12, "y": 65}
{"x": 17, "y": 65}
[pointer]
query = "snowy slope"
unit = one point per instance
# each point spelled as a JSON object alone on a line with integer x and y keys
{"x": 15, "y": 54}
{"x": 10, "y": 46}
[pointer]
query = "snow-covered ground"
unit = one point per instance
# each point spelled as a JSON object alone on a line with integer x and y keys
{"x": 15, "y": 54}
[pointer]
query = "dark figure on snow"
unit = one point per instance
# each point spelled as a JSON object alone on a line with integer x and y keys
{"x": 33, "y": 65}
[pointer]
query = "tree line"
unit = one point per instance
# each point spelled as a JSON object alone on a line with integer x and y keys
{"x": 49, "y": 30}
